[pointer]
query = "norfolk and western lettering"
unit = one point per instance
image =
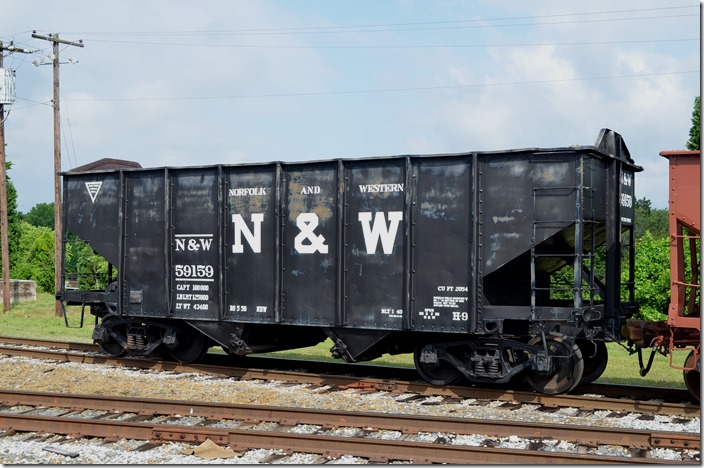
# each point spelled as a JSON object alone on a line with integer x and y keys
{"x": 376, "y": 227}
{"x": 383, "y": 228}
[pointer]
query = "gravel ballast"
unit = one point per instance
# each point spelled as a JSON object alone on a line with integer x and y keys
{"x": 21, "y": 373}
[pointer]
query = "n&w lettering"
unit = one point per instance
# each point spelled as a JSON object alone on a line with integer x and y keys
{"x": 372, "y": 233}
{"x": 254, "y": 239}
{"x": 308, "y": 242}
{"x": 306, "y": 223}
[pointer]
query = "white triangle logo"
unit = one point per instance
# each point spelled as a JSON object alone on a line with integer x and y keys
{"x": 93, "y": 189}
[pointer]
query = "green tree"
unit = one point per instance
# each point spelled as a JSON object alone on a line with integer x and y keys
{"x": 35, "y": 256}
{"x": 83, "y": 265}
{"x": 695, "y": 131}
{"x": 652, "y": 276}
{"x": 648, "y": 219}
{"x": 13, "y": 220}
{"x": 92, "y": 271}
{"x": 41, "y": 214}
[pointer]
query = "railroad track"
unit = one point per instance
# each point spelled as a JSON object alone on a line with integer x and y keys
{"x": 145, "y": 419}
{"x": 365, "y": 370}
{"x": 90, "y": 354}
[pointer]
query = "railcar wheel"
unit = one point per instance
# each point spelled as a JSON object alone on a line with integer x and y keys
{"x": 692, "y": 378}
{"x": 596, "y": 357}
{"x": 567, "y": 366}
{"x": 116, "y": 343}
{"x": 191, "y": 347}
{"x": 440, "y": 373}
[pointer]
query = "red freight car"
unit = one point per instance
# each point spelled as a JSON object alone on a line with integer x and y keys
{"x": 680, "y": 333}
{"x": 684, "y": 314}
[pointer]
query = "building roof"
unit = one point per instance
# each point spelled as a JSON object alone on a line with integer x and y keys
{"x": 106, "y": 164}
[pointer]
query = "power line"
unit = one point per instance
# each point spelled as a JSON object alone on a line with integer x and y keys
{"x": 396, "y": 25}
{"x": 417, "y": 46}
{"x": 384, "y": 90}
{"x": 444, "y": 28}
{"x": 35, "y": 103}
{"x": 65, "y": 143}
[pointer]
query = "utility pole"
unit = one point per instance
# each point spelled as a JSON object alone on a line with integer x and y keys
{"x": 5, "y": 243}
{"x": 58, "y": 262}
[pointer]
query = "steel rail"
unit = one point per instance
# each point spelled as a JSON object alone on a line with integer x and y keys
{"x": 50, "y": 343}
{"x": 312, "y": 366}
{"x": 631, "y": 438}
{"x": 334, "y": 446}
{"x": 378, "y": 384}
{"x": 574, "y": 401}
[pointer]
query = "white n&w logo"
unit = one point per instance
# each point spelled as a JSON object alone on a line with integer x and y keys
{"x": 93, "y": 189}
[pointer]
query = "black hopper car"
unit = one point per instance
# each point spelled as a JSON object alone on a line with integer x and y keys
{"x": 485, "y": 265}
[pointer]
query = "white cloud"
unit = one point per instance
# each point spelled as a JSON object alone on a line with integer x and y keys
{"x": 652, "y": 112}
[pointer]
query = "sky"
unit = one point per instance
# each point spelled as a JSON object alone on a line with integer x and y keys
{"x": 182, "y": 83}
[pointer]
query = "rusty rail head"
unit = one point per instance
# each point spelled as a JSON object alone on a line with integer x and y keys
{"x": 418, "y": 452}
{"x": 578, "y": 401}
{"x": 380, "y": 421}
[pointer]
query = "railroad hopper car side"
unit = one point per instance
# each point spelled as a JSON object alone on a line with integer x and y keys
{"x": 484, "y": 265}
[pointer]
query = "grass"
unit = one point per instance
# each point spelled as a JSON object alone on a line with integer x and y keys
{"x": 37, "y": 320}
